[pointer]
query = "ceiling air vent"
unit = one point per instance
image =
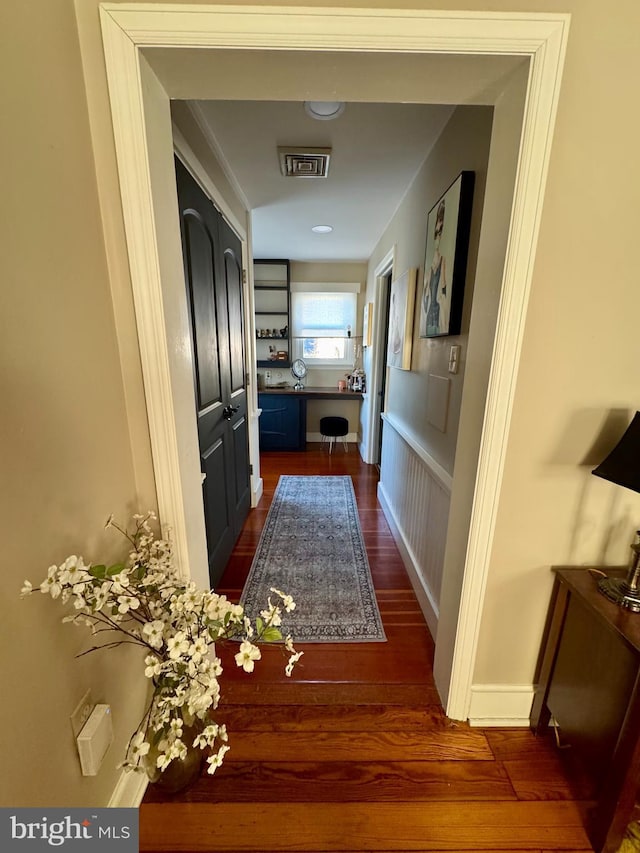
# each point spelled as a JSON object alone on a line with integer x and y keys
{"x": 304, "y": 162}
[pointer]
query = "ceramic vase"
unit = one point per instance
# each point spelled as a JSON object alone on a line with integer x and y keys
{"x": 181, "y": 773}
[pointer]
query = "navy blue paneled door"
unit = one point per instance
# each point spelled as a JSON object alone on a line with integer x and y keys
{"x": 212, "y": 256}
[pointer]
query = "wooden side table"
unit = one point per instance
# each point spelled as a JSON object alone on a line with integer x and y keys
{"x": 589, "y": 681}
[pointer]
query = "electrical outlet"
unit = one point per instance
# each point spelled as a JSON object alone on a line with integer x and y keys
{"x": 81, "y": 714}
{"x": 267, "y": 375}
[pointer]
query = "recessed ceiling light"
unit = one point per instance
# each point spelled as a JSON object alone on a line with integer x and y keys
{"x": 324, "y": 110}
{"x": 322, "y": 229}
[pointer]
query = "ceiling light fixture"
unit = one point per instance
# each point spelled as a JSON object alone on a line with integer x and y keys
{"x": 324, "y": 110}
{"x": 322, "y": 229}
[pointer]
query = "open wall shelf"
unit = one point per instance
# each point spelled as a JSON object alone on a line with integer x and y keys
{"x": 272, "y": 310}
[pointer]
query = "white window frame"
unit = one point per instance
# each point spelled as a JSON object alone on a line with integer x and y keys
{"x": 298, "y": 336}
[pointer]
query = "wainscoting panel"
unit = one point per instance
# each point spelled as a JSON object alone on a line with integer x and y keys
{"x": 415, "y": 494}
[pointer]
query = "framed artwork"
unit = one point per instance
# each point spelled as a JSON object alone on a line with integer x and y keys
{"x": 445, "y": 261}
{"x": 367, "y": 324}
{"x": 402, "y": 299}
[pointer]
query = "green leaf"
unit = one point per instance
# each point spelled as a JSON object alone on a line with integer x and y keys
{"x": 271, "y": 635}
{"x": 259, "y": 625}
{"x": 98, "y": 571}
{"x": 115, "y": 569}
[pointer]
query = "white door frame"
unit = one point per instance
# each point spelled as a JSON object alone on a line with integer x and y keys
{"x": 374, "y": 411}
{"x": 139, "y": 104}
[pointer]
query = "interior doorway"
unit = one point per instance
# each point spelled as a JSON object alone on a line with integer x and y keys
{"x": 384, "y": 276}
{"x": 142, "y": 129}
{"x": 385, "y": 305}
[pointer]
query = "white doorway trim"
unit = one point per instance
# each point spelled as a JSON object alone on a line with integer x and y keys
{"x": 138, "y": 104}
{"x": 381, "y": 271}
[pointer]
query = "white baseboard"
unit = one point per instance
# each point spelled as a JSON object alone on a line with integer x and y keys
{"x": 317, "y": 436}
{"x": 500, "y": 704}
{"x": 427, "y": 604}
{"x": 129, "y": 790}
{"x": 258, "y": 488}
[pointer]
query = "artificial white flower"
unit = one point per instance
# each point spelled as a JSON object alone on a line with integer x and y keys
{"x": 126, "y": 603}
{"x": 153, "y": 632}
{"x": 177, "y": 645}
{"x": 119, "y": 583}
{"x": 292, "y": 661}
{"x": 27, "y": 589}
{"x": 154, "y": 666}
{"x": 247, "y": 656}
{"x": 139, "y": 747}
{"x": 198, "y": 649}
{"x": 192, "y": 598}
{"x": 272, "y": 615}
{"x": 207, "y": 736}
{"x": 214, "y": 761}
{"x": 287, "y": 600}
{"x": 217, "y": 606}
{"x": 51, "y": 584}
{"x": 72, "y": 570}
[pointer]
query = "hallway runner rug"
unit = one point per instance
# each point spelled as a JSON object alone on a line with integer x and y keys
{"x": 312, "y": 548}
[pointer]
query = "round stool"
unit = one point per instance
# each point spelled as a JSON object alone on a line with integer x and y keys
{"x": 333, "y": 428}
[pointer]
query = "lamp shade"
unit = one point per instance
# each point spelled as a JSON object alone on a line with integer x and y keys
{"x": 622, "y": 465}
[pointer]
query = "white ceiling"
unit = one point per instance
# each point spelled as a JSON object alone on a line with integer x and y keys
{"x": 377, "y": 149}
{"x": 250, "y": 102}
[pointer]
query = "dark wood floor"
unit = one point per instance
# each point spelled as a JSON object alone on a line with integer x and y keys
{"x": 354, "y": 752}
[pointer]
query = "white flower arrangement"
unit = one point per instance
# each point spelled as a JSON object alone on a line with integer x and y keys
{"x": 146, "y": 603}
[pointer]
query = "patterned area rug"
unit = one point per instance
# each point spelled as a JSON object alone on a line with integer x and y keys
{"x": 312, "y": 548}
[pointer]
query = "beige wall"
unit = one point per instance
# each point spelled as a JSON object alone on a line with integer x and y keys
{"x": 482, "y": 314}
{"x": 308, "y": 271}
{"x": 67, "y": 436}
{"x": 463, "y": 144}
{"x": 66, "y": 453}
{"x": 185, "y": 121}
{"x": 581, "y": 348}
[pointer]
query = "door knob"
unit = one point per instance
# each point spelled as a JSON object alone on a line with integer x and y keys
{"x": 228, "y": 412}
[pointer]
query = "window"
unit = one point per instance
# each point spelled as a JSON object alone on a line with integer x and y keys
{"x": 321, "y": 321}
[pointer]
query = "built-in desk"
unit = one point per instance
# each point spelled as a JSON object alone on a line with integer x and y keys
{"x": 283, "y": 421}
